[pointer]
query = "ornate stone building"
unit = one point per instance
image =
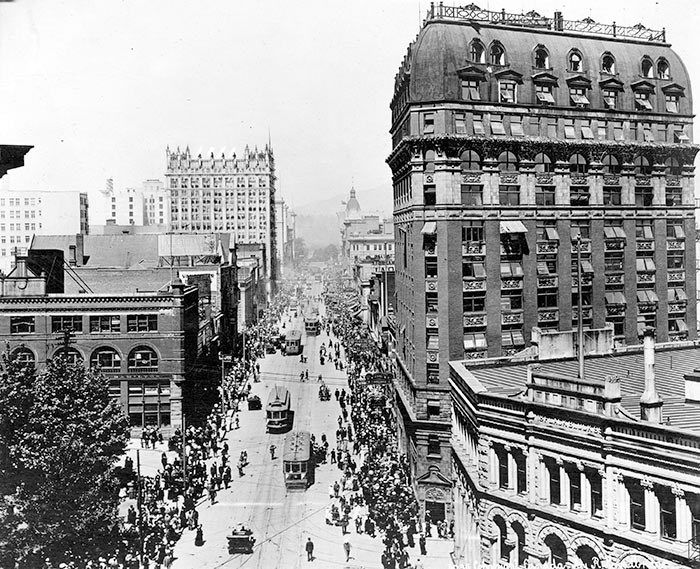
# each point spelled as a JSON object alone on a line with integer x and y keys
{"x": 595, "y": 471}
{"x": 228, "y": 193}
{"x": 513, "y": 136}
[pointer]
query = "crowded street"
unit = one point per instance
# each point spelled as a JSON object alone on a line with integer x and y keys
{"x": 282, "y": 521}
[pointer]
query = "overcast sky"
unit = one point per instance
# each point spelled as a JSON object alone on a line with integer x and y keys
{"x": 100, "y": 88}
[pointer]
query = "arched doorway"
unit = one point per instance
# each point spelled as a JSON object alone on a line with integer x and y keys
{"x": 557, "y": 550}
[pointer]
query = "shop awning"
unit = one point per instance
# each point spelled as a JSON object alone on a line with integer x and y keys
{"x": 429, "y": 228}
{"x": 513, "y": 226}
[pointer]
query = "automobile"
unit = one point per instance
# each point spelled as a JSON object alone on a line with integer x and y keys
{"x": 241, "y": 540}
{"x": 254, "y": 403}
{"x": 270, "y": 348}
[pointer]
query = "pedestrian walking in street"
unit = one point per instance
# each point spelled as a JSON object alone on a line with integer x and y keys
{"x": 421, "y": 544}
{"x": 358, "y": 524}
{"x": 272, "y": 452}
{"x": 199, "y": 538}
{"x": 346, "y": 547}
{"x": 344, "y": 524}
{"x": 309, "y": 550}
{"x": 336, "y": 488}
{"x": 227, "y": 476}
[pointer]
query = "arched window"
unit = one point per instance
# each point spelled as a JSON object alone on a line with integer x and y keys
{"x": 575, "y": 61}
{"x": 429, "y": 161}
{"x": 470, "y": 161}
{"x": 503, "y": 552}
{"x": 663, "y": 71}
{"x": 497, "y": 54}
{"x": 507, "y": 162}
{"x": 23, "y": 356}
{"x": 477, "y": 52}
{"x": 578, "y": 164}
{"x": 673, "y": 167}
{"x": 71, "y": 355}
{"x": 543, "y": 163}
{"x": 611, "y": 164}
{"x": 541, "y": 57}
{"x": 143, "y": 358}
{"x": 588, "y": 557}
{"x": 607, "y": 64}
{"x": 520, "y": 535}
{"x": 557, "y": 550}
{"x": 647, "y": 67}
{"x": 641, "y": 166}
{"x": 107, "y": 359}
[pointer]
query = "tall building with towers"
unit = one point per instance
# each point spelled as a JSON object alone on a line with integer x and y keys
{"x": 532, "y": 156}
{"x": 226, "y": 193}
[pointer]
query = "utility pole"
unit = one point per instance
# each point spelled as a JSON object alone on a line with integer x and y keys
{"x": 184, "y": 454}
{"x": 139, "y": 502}
{"x": 580, "y": 306}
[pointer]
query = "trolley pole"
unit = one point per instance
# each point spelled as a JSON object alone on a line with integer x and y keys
{"x": 139, "y": 502}
{"x": 184, "y": 454}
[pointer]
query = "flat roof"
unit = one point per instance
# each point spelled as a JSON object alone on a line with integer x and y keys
{"x": 671, "y": 364}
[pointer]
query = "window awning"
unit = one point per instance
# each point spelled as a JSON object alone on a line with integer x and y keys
{"x": 551, "y": 234}
{"x": 615, "y": 297}
{"x": 647, "y": 296}
{"x": 433, "y": 343}
{"x": 516, "y": 129}
{"x": 614, "y": 232}
{"x": 474, "y": 341}
{"x": 645, "y": 104}
{"x": 610, "y": 102}
{"x": 586, "y": 132}
{"x": 479, "y": 127}
{"x": 646, "y": 264}
{"x": 513, "y": 226}
{"x": 545, "y": 97}
{"x": 580, "y": 99}
{"x": 586, "y": 267}
{"x": 429, "y": 228}
{"x": 497, "y": 127}
{"x": 676, "y": 294}
{"x": 681, "y": 326}
{"x": 518, "y": 339}
{"x": 542, "y": 268}
{"x": 506, "y": 339}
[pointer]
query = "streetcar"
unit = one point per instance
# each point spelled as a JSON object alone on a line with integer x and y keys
{"x": 297, "y": 461}
{"x": 279, "y": 412}
{"x": 312, "y": 324}
{"x": 292, "y": 342}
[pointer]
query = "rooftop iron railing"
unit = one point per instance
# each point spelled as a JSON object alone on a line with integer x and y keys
{"x": 532, "y": 19}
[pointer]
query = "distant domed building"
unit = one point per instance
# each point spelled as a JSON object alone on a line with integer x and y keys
{"x": 352, "y": 208}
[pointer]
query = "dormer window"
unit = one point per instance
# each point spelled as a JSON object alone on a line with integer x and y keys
{"x": 477, "y": 52}
{"x": 647, "y": 68}
{"x": 507, "y": 92}
{"x": 663, "y": 71}
{"x": 541, "y": 58}
{"x": 470, "y": 90}
{"x": 641, "y": 102}
{"x": 498, "y": 55}
{"x": 575, "y": 61}
{"x": 610, "y": 98}
{"x": 607, "y": 64}
{"x": 672, "y": 103}
{"x": 578, "y": 97}
{"x": 544, "y": 94}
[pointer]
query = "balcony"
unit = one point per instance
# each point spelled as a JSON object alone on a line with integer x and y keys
{"x": 579, "y": 179}
{"x": 676, "y": 307}
{"x": 614, "y": 244}
{"x": 615, "y": 279}
{"x": 547, "y": 247}
{"x": 676, "y": 276}
{"x": 511, "y": 284}
{"x": 474, "y": 320}
{"x": 473, "y": 284}
{"x": 585, "y": 247}
{"x": 675, "y": 245}
{"x": 647, "y": 278}
{"x": 547, "y": 315}
{"x": 586, "y": 312}
{"x": 547, "y": 282}
{"x": 616, "y": 310}
{"x": 677, "y": 336}
{"x": 476, "y": 355}
{"x": 513, "y": 317}
{"x": 473, "y": 248}
{"x": 587, "y": 280}
{"x": 645, "y": 245}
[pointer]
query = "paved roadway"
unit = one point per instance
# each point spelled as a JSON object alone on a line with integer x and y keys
{"x": 282, "y": 521}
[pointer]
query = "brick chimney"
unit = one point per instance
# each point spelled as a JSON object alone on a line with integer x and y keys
{"x": 650, "y": 403}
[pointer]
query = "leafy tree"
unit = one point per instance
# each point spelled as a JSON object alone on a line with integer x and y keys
{"x": 60, "y": 439}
